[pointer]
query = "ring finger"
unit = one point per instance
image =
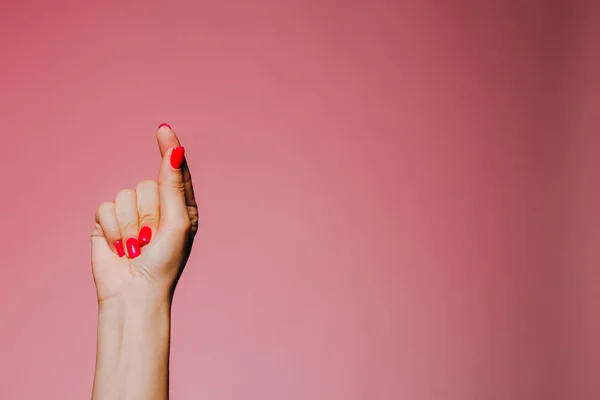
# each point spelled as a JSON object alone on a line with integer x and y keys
{"x": 148, "y": 206}
{"x": 127, "y": 218}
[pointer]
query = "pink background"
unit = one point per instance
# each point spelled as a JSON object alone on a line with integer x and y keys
{"x": 398, "y": 199}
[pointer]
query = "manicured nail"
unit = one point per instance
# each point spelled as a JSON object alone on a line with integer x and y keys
{"x": 133, "y": 247}
{"x": 119, "y": 248}
{"x": 165, "y": 124}
{"x": 145, "y": 235}
{"x": 177, "y": 157}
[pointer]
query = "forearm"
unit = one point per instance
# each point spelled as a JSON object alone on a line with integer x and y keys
{"x": 132, "y": 358}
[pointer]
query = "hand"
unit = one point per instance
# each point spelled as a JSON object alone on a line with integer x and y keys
{"x": 142, "y": 240}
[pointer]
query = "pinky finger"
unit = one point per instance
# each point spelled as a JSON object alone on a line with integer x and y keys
{"x": 106, "y": 223}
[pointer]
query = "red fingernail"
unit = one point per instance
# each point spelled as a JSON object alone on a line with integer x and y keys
{"x": 177, "y": 157}
{"x": 133, "y": 247}
{"x": 119, "y": 248}
{"x": 145, "y": 235}
{"x": 165, "y": 124}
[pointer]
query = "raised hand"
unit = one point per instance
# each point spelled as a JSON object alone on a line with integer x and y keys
{"x": 142, "y": 240}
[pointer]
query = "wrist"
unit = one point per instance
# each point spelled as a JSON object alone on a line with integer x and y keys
{"x": 126, "y": 323}
{"x": 139, "y": 304}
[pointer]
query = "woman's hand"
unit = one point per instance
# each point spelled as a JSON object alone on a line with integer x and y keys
{"x": 140, "y": 246}
{"x": 143, "y": 238}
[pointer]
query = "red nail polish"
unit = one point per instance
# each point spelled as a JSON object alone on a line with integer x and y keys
{"x": 133, "y": 247}
{"x": 177, "y": 157}
{"x": 165, "y": 124}
{"x": 145, "y": 235}
{"x": 119, "y": 248}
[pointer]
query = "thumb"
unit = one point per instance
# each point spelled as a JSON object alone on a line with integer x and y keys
{"x": 173, "y": 210}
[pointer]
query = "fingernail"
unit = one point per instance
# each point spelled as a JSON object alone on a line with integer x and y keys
{"x": 145, "y": 235}
{"x": 165, "y": 124}
{"x": 177, "y": 157}
{"x": 119, "y": 248}
{"x": 133, "y": 247}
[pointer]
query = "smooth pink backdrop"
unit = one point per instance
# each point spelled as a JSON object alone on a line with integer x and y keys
{"x": 399, "y": 200}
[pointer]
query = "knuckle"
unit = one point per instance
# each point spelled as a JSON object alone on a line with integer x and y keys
{"x": 98, "y": 231}
{"x": 173, "y": 184}
{"x": 178, "y": 185}
{"x": 148, "y": 219}
{"x": 130, "y": 228}
{"x": 105, "y": 207}
{"x": 194, "y": 218}
{"x": 125, "y": 194}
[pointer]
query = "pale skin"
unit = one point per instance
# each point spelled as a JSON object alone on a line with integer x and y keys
{"x": 135, "y": 289}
